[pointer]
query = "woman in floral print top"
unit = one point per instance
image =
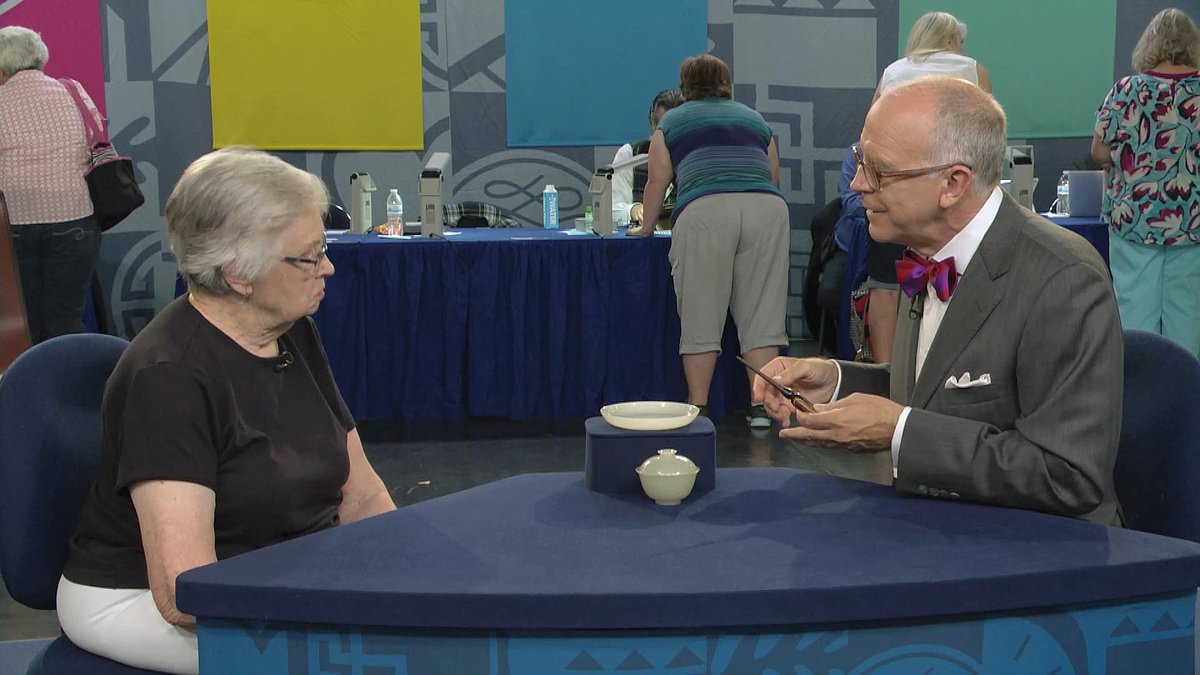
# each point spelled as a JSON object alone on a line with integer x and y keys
{"x": 1148, "y": 139}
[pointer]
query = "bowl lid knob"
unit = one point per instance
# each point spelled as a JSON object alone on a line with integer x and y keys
{"x": 668, "y": 462}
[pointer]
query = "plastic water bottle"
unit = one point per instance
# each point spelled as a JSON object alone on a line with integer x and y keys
{"x": 1063, "y": 207}
{"x": 395, "y": 213}
{"x": 587, "y": 217}
{"x": 550, "y": 208}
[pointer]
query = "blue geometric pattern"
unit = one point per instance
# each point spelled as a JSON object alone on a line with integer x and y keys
{"x": 1153, "y": 636}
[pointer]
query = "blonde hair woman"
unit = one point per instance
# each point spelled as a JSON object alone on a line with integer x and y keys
{"x": 935, "y": 47}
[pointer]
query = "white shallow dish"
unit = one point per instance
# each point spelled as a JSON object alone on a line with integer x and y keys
{"x": 649, "y": 415}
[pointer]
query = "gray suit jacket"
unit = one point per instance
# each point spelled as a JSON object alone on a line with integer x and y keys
{"x": 1035, "y": 310}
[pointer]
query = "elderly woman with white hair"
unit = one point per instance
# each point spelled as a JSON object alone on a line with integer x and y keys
{"x": 223, "y": 428}
{"x": 43, "y": 156}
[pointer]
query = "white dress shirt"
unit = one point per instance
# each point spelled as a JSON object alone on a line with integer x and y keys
{"x": 962, "y": 247}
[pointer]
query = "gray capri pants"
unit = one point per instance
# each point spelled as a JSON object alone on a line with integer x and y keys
{"x": 729, "y": 253}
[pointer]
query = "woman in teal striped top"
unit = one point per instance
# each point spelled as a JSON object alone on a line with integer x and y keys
{"x": 729, "y": 248}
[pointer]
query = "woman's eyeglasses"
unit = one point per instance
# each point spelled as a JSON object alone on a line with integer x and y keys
{"x": 315, "y": 261}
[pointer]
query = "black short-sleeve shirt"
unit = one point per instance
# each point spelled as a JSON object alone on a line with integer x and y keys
{"x": 187, "y": 403}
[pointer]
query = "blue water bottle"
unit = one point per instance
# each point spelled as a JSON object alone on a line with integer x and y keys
{"x": 550, "y": 208}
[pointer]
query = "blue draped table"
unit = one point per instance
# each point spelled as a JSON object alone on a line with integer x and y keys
{"x": 1092, "y": 229}
{"x": 514, "y": 323}
{"x": 774, "y": 570}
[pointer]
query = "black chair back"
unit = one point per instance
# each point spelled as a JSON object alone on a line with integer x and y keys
{"x": 336, "y": 218}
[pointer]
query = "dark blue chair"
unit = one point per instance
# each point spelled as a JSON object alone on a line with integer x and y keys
{"x": 50, "y": 451}
{"x": 1158, "y": 461}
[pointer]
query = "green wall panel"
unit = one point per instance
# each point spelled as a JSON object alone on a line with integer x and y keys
{"x": 1051, "y": 61}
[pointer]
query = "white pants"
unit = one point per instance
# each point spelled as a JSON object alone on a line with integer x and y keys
{"x": 124, "y": 625}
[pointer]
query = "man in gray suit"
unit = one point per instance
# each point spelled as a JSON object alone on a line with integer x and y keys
{"x": 1006, "y": 379}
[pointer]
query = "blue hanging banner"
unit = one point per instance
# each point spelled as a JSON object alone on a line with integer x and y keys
{"x": 583, "y": 74}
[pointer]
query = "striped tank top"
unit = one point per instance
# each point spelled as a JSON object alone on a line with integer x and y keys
{"x": 717, "y": 146}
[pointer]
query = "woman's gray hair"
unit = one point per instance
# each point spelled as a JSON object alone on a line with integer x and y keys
{"x": 969, "y": 127}
{"x": 228, "y": 213}
{"x": 935, "y": 32}
{"x": 1171, "y": 36}
{"x": 21, "y": 49}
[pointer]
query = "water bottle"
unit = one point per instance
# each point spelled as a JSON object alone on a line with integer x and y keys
{"x": 1063, "y": 207}
{"x": 550, "y": 208}
{"x": 587, "y": 218}
{"x": 395, "y": 213}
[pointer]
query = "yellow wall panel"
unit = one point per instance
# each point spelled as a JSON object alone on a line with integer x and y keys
{"x": 316, "y": 74}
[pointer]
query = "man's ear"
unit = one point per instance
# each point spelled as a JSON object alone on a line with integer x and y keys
{"x": 958, "y": 182}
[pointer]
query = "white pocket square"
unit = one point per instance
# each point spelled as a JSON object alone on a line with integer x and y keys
{"x": 964, "y": 381}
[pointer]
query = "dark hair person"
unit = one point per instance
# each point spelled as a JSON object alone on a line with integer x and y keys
{"x": 729, "y": 247}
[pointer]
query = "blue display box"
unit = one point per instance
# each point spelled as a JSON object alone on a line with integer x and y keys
{"x": 614, "y": 453}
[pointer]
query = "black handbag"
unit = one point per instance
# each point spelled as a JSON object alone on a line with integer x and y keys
{"x": 110, "y": 178}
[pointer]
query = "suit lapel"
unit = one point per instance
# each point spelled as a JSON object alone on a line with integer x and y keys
{"x": 973, "y": 301}
{"x": 977, "y": 295}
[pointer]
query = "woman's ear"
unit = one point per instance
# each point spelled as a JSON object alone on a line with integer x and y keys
{"x": 238, "y": 284}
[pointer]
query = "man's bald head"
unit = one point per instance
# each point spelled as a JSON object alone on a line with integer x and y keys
{"x": 964, "y": 124}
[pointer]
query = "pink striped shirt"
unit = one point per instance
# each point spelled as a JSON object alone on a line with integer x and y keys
{"x": 43, "y": 150}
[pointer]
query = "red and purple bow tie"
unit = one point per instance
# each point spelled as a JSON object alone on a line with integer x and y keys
{"x": 914, "y": 272}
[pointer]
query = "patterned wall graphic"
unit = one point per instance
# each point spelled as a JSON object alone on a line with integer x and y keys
{"x": 813, "y": 87}
{"x": 1122, "y": 638}
{"x": 807, "y": 65}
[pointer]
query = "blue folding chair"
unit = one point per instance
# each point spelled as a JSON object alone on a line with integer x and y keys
{"x": 50, "y": 430}
{"x": 1158, "y": 462}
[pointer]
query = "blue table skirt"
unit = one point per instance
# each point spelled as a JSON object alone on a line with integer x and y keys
{"x": 514, "y": 323}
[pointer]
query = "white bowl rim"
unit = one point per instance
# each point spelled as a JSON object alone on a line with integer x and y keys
{"x": 664, "y": 415}
{"x": 684, "y": 408}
